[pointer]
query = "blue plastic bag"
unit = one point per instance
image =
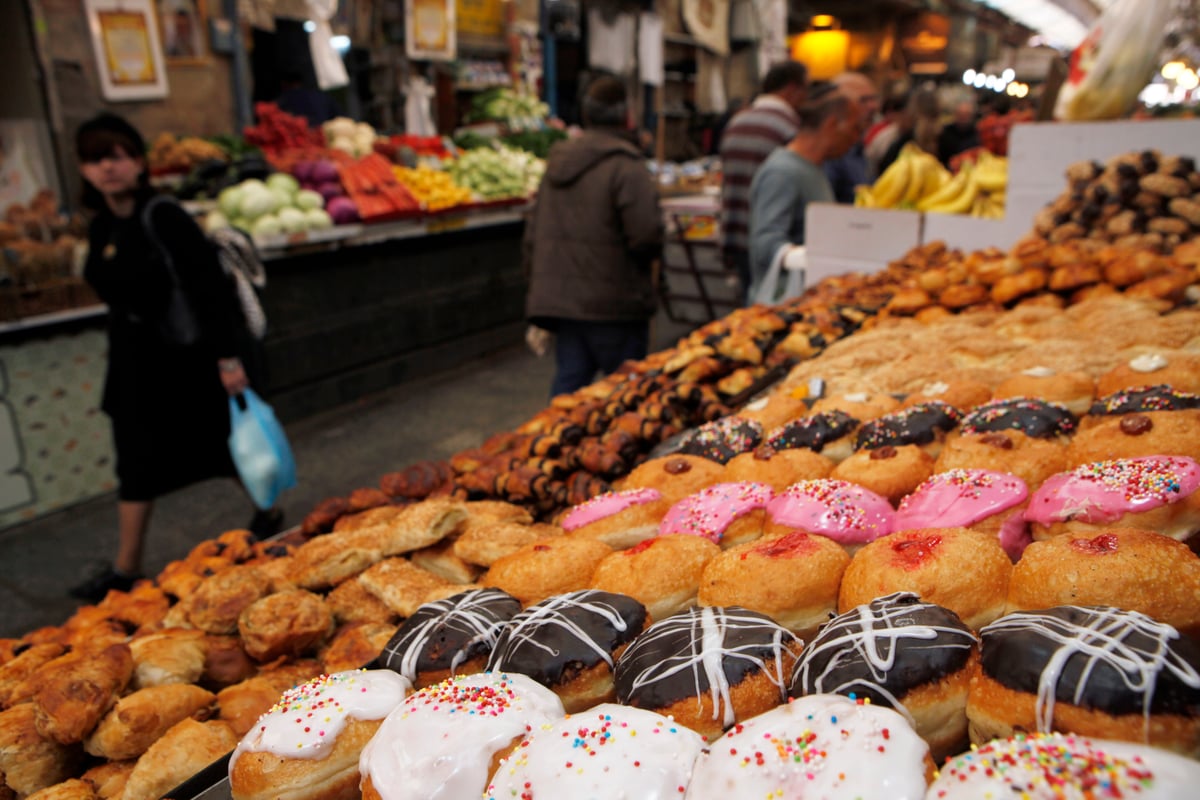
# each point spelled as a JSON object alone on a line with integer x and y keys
{"x": 260, "y": 449}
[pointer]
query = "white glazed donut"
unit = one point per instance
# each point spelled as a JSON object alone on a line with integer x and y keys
{"x": 607, "y": 751}
{"x": 1057, "y": 766}
{"x": 819, "y": 746}
{"x": 440, "y": 742}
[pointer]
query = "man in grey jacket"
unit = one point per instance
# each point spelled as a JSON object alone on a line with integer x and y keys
{"x": 590, "y": 242}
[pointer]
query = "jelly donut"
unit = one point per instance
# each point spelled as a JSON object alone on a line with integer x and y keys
{"x": 308, "y": 744}
{"x": 662, "y": 573}
{"x": 607, "y": 751}
{"x": 1124, "y": 567}
{"x": 831, "y": 434}
{"x": 444, "y": 741}
{"x": 1072, "y": 389}
{"x": 708, "y": 668}
{"x": 891, "y": 472}
{"x": 959, "y": 394}
{"x": 674, "y": 476}
{"x": 547, "y": 567}
{"x": 568, "y": 644}
{"x": 449, "y": 637}
{"x": 1012, "y": 452}
{"x": 724, "y": 513}
{"x": 960, "y": 569}
{"x": 1156, "y": 493}
{"x": 778, "y": 469}
{"x": 898, "y": 652}
{"x": 1038, "y": 419}
{"x": 845, "y": 512}
{"x": 924, "y": 424}
{"x": 982, "y": 500}
{"x": 721, "y": 439}
{"x": 1173, "y": 367}
{"x": 793, "y": 579}
{"x": 859, "y": 405}
{"x": 1093, "y": 671}
{"x": 1057, "y": 766}
{"x": 1145, "y": 433}
{"x": 820, "y": 746}
{"x": 619, "y": 518}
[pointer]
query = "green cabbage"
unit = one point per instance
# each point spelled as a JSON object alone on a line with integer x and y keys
{"x": 318, "y": 219}
{"x": 281, "y": 181}
{"x": 307, "y": 199}
{"x": 267, "y": 225}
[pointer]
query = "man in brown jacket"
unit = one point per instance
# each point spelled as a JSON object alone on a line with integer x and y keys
{"x": 590, "y": 242}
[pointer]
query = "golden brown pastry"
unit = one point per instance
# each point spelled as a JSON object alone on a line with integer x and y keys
{"x": 180, "y": 753}
{"x": 1151, "y": 367}
{"x": 15, "y": 673}
{"x": 285, "y": 624}
{"x": 662, "y": 573}
{"x": 379, "y": 515}
{"x": 400, "y": 584}
{"x": 216, "y": 602}
{"x": 242, "y": 703}
{"x": 141, "y": 718}
{"x": 28, "y": 760}
{"x": 485, "y": 543}
{"x": 327, "y": 560}
{"x": 173, "y": 655}
{"x": 553, "y": 566}
{"x": 423, "y": 524}
{"x": 77, "y": 689}
{"x": 354, "y": 646}
{"x": 142, "y": 606}
{"x": 674, "y": 476}
{"x": 793, "y": 579}
{"x": 72, "y": 789}
{"x": 1164, "y": 433}
{"x": 441, "y": 560}
{"x": 350, "y": 601}
{"x": 961, "y": 394}
{"x": 108, "y": 779}
{"x": 1031, "y": 460}
{"x": 1074, "y": 389}
{"x": 862, "y": 406}
{"x": 890, "y": 472}
{"x": 225, "y": 662}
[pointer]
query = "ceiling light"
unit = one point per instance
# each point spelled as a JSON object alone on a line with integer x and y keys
{"x": 1171, "y": 69}
{"x": 1188, "y": 80}
{"x": 969, "y": 76}
{"x": 1009, "y": 74}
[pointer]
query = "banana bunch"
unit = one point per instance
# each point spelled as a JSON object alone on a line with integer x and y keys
{"x": 914, "y": 175}
{"x": 918, "y": 180}
{"x": 978, "y": 188}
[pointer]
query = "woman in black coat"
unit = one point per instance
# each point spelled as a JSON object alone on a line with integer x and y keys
{"x": 168, "y": 403}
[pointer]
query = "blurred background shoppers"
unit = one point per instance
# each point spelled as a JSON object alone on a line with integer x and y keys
{"x": 850, "y": 170}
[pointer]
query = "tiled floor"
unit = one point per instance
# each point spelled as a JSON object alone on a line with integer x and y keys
{"x": 337, "y": 452}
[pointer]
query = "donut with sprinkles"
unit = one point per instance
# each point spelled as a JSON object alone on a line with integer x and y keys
{"x": 1038, "y": 419}
{"x": 1140, "y": 399}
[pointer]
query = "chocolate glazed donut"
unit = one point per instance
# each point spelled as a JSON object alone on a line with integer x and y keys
{"x": 1144, "y": 398}
{"x": 704, "y": 653}
{"x": 1037, "y": 419}
{"x": 443, "y": 636}
{"x": 1102, "y": 658}
{"x": 812, "y": 432}
{"x": 918, "y": 424}
{"x": 883, "y": 651}
{"x": 557, "y": 638}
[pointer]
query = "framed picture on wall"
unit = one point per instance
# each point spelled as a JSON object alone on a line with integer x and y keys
{"x": 430, "y": 28}
{"x": 129, "y": 54}
{"x": 182, "y": 25}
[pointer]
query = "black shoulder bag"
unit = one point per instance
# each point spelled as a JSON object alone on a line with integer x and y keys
{"x": 178, "y": 324}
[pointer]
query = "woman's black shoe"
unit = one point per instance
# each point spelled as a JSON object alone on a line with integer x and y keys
{"x": 266, "y": 524}
{"x": 95, "y": 588}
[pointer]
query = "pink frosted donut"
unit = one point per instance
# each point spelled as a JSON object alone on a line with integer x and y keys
{"x": 845, "y": 512}
{"x": 1151, "y": 492}
{"x": 970, "y": 498}
{"x": 619, "y": 519}
{"x": 725, "y": 513}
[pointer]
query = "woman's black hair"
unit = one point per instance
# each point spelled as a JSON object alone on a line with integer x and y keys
{"x": 103, "y": 135}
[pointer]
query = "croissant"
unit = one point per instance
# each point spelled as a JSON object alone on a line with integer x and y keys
{"x": 323, "y": 515}
{"x": 583, "y": 486}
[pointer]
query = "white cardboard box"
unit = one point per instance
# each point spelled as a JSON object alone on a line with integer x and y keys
{"x": 975, "y": 233}
{"x": 841, "y": 239}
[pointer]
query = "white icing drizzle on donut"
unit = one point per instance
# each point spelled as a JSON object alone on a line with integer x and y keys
{"x": 464, "y": 612}
{"x": 706, "y": 629}
{"x": 1038, "y": 372}
{"x": 819, "y": 746}
{"x": 307, "y": 719}
{"x": 1103, "y": 639}
{"x": 868, "y": 631}
{"x": 935, "y": 388}
{"x": 526, "y": 629}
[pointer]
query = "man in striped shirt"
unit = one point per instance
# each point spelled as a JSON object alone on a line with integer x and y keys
{"x": 771, "y": 121}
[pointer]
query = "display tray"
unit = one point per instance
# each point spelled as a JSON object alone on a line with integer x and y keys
{"x": 282, "y": 240}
